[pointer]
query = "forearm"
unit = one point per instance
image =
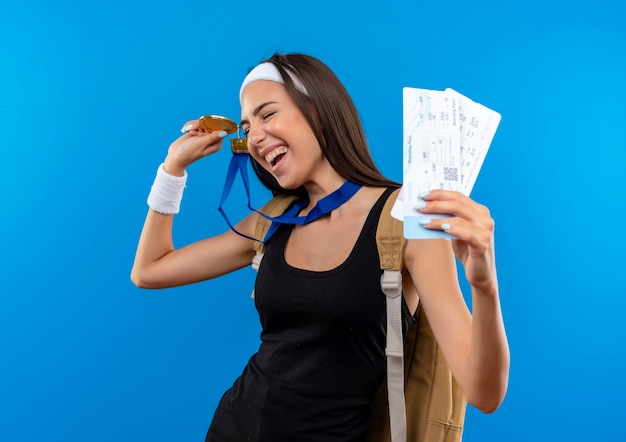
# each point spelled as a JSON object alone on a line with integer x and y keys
{"x": 156, "y": 237}
{"x": 157, "y": 264}
{"x": 154, "y": 243}
{"x": 488, "y": 362}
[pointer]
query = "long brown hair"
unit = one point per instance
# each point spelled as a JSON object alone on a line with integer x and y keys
{"x": 331, "y": 113}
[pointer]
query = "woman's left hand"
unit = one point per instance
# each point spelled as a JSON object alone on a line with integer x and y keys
{"x": 472, "y": 225}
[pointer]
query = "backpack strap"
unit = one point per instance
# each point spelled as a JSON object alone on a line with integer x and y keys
{"x": 426, "y": 387}
{"x": 391, "y": 242}
{"x": 274, "y": 207}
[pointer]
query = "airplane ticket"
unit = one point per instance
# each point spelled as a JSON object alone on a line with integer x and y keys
{"x": 446, "y": 138}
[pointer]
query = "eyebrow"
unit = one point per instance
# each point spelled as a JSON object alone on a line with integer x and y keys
{"x": 256, "y": 111}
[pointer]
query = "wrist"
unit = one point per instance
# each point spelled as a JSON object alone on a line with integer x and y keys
{"x": 172, "y": 169}
{"x": 166, "y": 193}
{"x": 486, "y": 290}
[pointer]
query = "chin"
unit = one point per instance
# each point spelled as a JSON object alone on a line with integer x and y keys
{"x": 288, "y": 184}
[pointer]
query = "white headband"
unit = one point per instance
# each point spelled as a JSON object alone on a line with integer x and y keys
{"x": 269, "y": 72}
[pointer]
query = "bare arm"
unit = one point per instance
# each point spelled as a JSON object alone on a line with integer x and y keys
{"x": 475, "y": 346}
{"x": 157, "y": 263}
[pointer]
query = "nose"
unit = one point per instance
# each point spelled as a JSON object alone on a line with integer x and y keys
{"x": 255, "y": 136}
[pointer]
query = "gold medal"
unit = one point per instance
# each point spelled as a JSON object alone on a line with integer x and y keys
{"x": 214, "y": 123}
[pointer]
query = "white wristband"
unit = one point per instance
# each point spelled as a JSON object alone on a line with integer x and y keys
{"x": 166, "y": 192}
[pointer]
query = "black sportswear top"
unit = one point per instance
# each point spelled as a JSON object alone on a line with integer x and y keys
{"x": 322, "y": 353}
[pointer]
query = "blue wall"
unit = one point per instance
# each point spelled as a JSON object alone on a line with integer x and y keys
{"x": 91, "y": 95}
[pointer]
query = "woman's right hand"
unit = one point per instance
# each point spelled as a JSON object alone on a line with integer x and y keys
{"x": 195, "y": 143}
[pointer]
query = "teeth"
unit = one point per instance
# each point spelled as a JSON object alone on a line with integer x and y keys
{"x": 273, "y": 154}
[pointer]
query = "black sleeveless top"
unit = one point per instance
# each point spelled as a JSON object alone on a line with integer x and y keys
{"x": 322, "y": 355}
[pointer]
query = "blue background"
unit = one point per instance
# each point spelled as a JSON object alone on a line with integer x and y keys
{"x": 91, "y": 95}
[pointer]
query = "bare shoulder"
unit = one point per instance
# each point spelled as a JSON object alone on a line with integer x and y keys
{"x": 367, "y": 197}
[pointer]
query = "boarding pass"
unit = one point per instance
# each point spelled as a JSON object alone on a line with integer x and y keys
{"x": 446, "y": 139}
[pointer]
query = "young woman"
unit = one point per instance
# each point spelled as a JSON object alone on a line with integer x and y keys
{"x": 318, "y": 289}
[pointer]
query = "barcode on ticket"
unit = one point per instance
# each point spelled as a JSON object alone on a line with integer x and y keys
{"x": 451, "y": 173}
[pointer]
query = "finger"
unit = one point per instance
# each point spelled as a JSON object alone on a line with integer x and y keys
{"x": 216, "y": 137}
{"x": 196, "y": 144}
{"x": 213, "y": 141}
{"x": 453, "y": 198}
{"x": 212, "y": 148}
{"x": 440, "y": 194}
{"x": 191, "y": 125}
{"x": 477, "y": 237}
{"x": 203, "y": 138}
{"x": 454, "y": 203}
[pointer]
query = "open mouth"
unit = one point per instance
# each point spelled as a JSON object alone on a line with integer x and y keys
{"x": 275, "y": 156}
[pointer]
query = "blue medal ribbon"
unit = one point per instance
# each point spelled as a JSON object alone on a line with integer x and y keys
{"x": 239, "y": 163}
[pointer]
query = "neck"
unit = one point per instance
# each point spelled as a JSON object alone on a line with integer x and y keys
{"x": 321, "y": 189}
{"x": 330, "y": 201}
